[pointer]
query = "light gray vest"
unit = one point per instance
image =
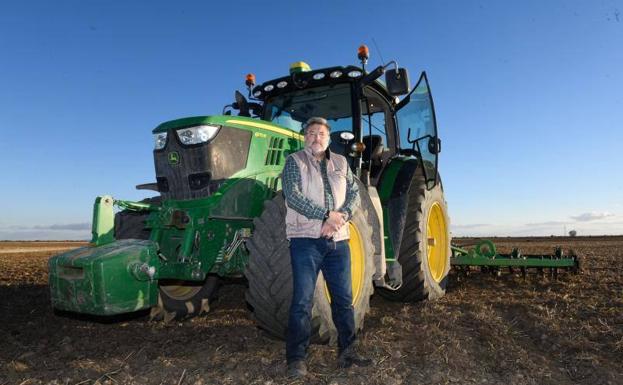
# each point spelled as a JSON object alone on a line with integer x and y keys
{"x": 298, "y": 225}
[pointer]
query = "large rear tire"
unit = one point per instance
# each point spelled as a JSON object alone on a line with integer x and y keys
{"x": 425, "y": 247}
{"x": 269, "y": 273}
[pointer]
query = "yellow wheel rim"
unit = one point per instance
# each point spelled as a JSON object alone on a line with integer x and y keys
{"x": 437, "y": 242}
{"x": 181, "y": 292}
{"x": 357, "y": 264}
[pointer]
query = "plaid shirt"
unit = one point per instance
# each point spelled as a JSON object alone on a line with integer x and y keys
{"x": 292, "y": 189}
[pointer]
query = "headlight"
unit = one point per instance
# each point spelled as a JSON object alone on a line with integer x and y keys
{"x": 354, "y": 74}
{"x": 197, "y": 134}
{"x": 160, "y": 140}
{"x": 347, "y": 136}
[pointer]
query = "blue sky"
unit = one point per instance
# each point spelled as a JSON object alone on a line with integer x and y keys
{"x": 529, "y": 98}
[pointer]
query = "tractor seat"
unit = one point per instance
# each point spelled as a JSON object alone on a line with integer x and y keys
{"x": 374, "y": 148}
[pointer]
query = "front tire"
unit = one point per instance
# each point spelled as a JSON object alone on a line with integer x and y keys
{"x": 180, "y": 299}
{"x": 269, "y": 273}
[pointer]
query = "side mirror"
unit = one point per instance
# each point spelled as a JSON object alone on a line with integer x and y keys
{"x": 397, "y": 81}
{"x": 372, "y": 76}
{"x": 434, "y": 145}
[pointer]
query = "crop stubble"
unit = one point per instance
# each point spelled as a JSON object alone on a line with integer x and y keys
{"x": 485, "y": 330}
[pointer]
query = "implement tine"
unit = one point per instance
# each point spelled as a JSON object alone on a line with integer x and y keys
{"x": 577, "y": 266}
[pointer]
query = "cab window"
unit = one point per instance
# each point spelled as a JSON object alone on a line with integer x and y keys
{"x": 418, "y": 128}
{"x": 330, "y": 102}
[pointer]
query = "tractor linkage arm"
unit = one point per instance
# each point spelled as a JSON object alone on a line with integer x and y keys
{"x": 103, "y": 225}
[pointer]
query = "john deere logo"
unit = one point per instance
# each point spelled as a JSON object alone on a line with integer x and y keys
{"x": 174, "y": 158}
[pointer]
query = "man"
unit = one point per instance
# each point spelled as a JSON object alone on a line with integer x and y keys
{"x": 321, "y": 197}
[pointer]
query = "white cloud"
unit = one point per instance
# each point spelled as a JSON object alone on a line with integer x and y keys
{"x": 607, "y": 225}
{"x": 68, "y": 231}
{"x": 548, "y": 223}
{"x": 66, "y": 226}
{"x": 470, "y": 226}
{"x": 592, "y": 216}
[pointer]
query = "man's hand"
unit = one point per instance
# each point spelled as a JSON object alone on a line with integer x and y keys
{"x": 336, "y": 219}
{"x": 335, "y": 222}
{"x": 327, "y": 231}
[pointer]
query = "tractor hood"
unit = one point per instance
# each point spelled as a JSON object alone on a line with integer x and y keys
{"x": 196, "y": 168}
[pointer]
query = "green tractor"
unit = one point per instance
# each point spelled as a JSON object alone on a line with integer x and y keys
{"x": 220, "y": 213}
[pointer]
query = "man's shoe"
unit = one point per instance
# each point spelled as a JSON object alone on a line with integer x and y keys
{"x": 350, "y": 357}
{"x": 297, "y": 369}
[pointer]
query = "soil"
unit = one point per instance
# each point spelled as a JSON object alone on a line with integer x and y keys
{"x": 486, "y": 330}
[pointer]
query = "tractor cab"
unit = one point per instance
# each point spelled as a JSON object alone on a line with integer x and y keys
{"x": 370, "y": 125}
{"x": 362, "y": 127}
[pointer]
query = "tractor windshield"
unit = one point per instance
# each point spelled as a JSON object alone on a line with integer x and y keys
{"x": 332, "y": 102}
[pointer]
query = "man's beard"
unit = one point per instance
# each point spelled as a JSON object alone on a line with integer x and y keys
{"x": 317, "y": 148}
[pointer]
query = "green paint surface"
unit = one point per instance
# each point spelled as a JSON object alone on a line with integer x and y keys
{"x": 100, "y": 280}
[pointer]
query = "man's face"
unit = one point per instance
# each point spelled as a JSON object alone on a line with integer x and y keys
{"x": 317, "y": 138}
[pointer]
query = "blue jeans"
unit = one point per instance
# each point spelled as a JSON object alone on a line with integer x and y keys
{"x": 308, "y": 257}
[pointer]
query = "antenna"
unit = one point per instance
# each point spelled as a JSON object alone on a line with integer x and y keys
{"x": 379, "y": 51}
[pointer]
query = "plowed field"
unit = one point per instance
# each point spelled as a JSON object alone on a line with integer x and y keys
{"x": 486, "y": 330}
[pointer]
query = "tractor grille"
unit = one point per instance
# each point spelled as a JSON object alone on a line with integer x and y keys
{"x": 190, "y": 172}
{"x": 275, "y": 152}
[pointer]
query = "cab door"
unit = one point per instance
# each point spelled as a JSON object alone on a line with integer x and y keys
{"x": 415, "y": 116}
